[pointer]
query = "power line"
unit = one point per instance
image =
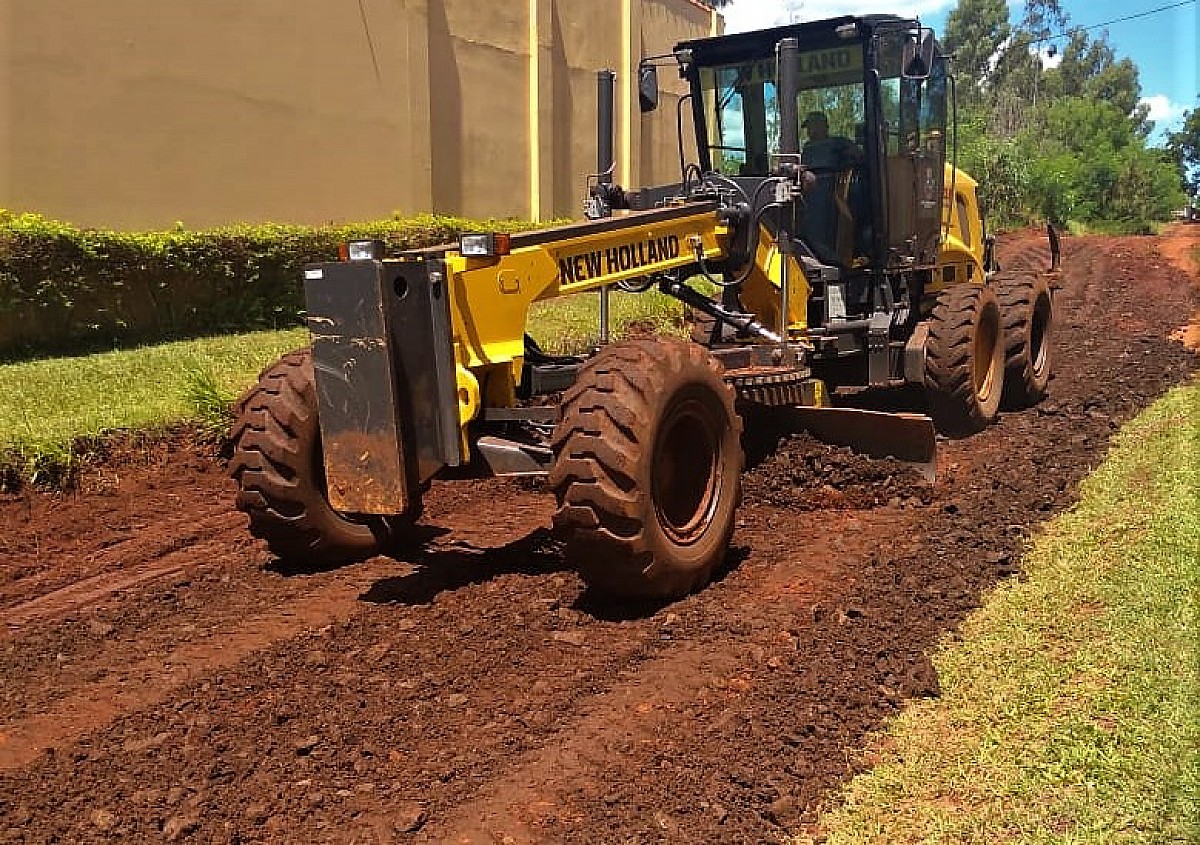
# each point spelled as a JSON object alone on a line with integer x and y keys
{"x": 1145, "y": 14}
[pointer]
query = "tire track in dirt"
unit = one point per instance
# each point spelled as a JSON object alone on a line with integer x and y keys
{"x": 135, "y": 516}
{"x": 185, "y": 544}
{"x": 111, "y": 678}
{"x": 538, "y": 791}
{"x": 1028, "y": 249}
{"x": 1078, "y": 303}
{"x": 145, "y": 682}
{"x": 598, "y": 652}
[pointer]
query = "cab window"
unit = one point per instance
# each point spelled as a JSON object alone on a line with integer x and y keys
{"x": 742, "y": 108}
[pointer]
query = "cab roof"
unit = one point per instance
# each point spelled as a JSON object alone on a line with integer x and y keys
{"x": 723, "y": 49}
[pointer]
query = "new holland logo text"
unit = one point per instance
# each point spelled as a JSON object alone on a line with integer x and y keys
{"x": 617, "y": 259}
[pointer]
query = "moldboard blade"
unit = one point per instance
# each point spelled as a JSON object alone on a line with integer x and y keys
{"x": 910, "y": 438}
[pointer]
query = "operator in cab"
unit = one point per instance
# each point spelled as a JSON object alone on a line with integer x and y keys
{"x": 830, "y": 157}
{"x": 823, "y": 152}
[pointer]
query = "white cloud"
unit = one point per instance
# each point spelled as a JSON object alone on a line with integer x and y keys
{"x": 743, "y": 15}
{"x": 1162, "y": 110}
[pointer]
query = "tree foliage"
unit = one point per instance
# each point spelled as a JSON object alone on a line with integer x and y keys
{"x": 1064, "y": 142}
{"x": 1184, "y": 148}
{"x": 65, "y": 289}
{"x": 1090, "y": 68}
{"x": 975, "y": 32}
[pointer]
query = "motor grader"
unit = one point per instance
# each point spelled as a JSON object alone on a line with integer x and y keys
{"x": 854, "y": 261}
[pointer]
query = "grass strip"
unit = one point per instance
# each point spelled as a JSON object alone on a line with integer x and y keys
{"x": 570, "y": 325}
{"x": 53, "y": 406}
{"x": 1071, "y": 701}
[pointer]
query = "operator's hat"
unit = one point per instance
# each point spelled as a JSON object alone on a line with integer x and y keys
{"x": 815, "y": 117}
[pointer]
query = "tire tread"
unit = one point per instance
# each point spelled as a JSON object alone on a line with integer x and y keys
{"x": 949, "y": 378}
{"x": 602, "y": 444}
{"x": 280, "y": 486}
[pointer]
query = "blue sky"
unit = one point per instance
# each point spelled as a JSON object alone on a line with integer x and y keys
{"x": 1163, "y": 45}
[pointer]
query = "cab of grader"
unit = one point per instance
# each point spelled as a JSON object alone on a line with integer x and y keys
{"x": 853, "y": 259}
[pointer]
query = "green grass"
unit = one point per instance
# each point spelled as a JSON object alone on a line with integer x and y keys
{"x": 1071, "y": 701}
{"x": 571, "y": 325}
{"x": 1079, "y": 228}
{"x": 53, "y": 405}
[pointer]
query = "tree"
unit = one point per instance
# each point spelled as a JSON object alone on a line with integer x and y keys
{"x": 1016, "y": 84}
{"x": 1090, "y": 163}
{"x": 975, "y": 32}
{"x": 1091, "y": 69}
{"x": 1000, "y": 166}
{"x": 1066, "y": 144}
{"x": 1042, "y": 19}
{"x": 1184, "y": 148}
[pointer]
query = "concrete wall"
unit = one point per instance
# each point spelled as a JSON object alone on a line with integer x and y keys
{"x": 138, "y": 113}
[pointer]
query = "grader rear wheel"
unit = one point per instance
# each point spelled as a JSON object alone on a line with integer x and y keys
{"x": 280, "y": 473}
{"x": 964, "y": 361}
{"x": 1027, "y": 306}
{"x": 648, "y": 468}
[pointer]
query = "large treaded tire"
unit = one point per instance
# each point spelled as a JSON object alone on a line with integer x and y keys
{"x": 279, "y": 469}
{"x": 1027, "y": 306}
{"x": 648, "y": 467}
{"x": 964, "y": 360}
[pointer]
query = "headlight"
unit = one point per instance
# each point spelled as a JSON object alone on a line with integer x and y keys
{"x": 364, "y": 250}
{"x": 485, "y": 245}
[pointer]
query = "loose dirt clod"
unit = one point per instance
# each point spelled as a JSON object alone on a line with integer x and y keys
{"x": 804, "y": 474}
{"x": 437, "y": 677}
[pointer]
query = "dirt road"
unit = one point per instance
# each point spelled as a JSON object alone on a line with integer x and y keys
{"x": 159, "y": 681}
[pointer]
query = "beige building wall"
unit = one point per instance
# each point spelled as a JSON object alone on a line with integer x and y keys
{"x": 139, "y": 113}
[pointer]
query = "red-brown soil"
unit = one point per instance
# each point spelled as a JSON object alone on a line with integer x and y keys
{"x": 1180, "y": 244}
{"x": 160, "y": 681}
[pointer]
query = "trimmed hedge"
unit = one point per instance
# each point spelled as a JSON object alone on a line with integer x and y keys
{"x": 65, "y": 289}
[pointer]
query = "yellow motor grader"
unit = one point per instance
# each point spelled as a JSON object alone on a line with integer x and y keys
{"x": 853, "y": 260}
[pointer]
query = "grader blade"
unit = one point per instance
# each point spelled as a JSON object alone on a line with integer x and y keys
{"x": 909, "y": 438}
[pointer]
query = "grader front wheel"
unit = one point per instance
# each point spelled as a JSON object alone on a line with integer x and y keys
{"x": 964, "y": 361}
{"x": 648, "y": 468}
{"x": 279, "y": 469}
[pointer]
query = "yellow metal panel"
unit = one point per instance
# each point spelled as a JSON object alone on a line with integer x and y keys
{"x": 469, "y": 399}
{"x": 761, "y": 292}
{"x": 490, "y": 298}
{"x": 960, "y": 250}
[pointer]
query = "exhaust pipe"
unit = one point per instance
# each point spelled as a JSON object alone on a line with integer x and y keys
{"x": 605, "y": 125}
{"x": 789, "y": 86}
{"x": 789, "y": 149}
{"x": 602, "y": 196}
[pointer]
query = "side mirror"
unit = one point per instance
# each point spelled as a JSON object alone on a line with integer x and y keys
{"x": 647, "y": 87}
{"x": 916, "y": 62}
